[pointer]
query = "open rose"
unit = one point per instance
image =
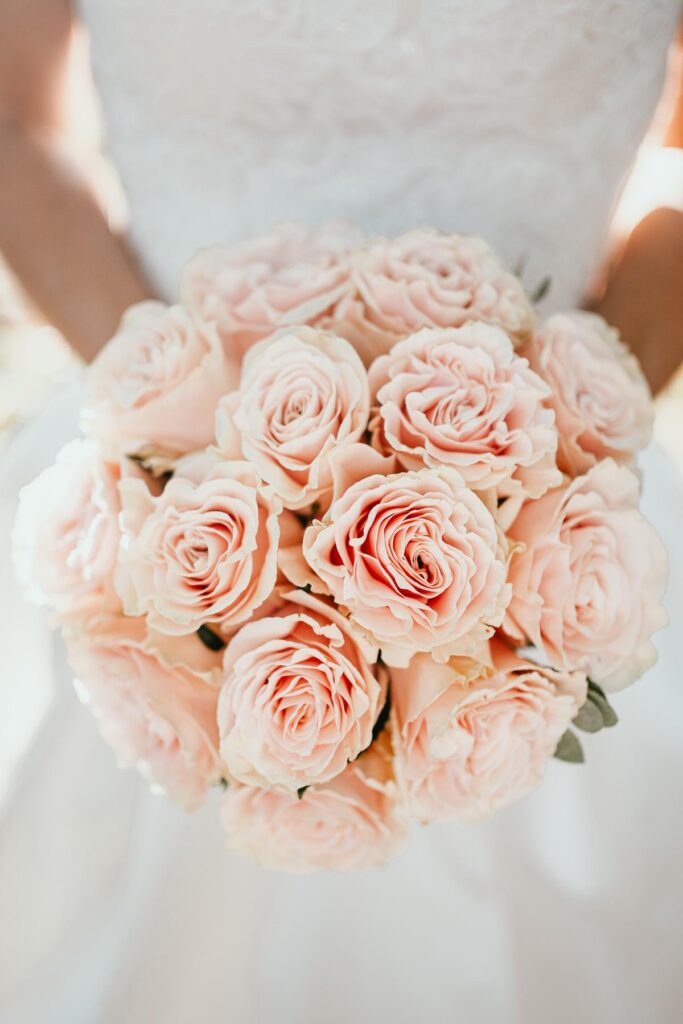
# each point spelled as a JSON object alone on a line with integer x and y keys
{"x": 428, "y": 279}
{"x": 416, "y": 557}
{"x": 204, "y": 551}
{"x": 303, "y": 393}
{"x": 601, "y": 398}
{"x": 349, "y": 823}
{"x": 66, "y": 535}
{"x": 292, "y": 276}
{"x": 462, "y": 398}
{"x": 466, "y": 747}
{"x": 299, "y": 700}
{"x": 153, "y": 389}
{"x": 158, "y": 716}
{"x": 588, "y": 582}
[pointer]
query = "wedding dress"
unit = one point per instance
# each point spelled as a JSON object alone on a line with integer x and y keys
{"x": 513, "y": 119}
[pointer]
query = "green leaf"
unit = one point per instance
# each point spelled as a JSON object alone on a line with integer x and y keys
{"x": 520, "y": 266}
{"x": 541, "y": 290}
{"x": 307, "y": 588}
{"x": 594, "y": 688}
{"x": 609, "y": 715}
{"x": 589, "y": 717}
{"x": 569, "y": 748}
{"x": 599, "y": 698}
{"x": 300, "y": 792}
{"x": 383, "y": 716}
{"x": 223, "y": 783}
{"x": 210, "y": 639}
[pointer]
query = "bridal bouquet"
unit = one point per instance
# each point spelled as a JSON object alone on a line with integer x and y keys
{"x": 351, "y": 535}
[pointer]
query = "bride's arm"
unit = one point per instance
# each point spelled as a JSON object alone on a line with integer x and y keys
{"x": 644, "y": 295}
{"x": 52, "y": 231}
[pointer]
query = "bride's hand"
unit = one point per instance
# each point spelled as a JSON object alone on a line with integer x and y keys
{"x": 52, "y": 231}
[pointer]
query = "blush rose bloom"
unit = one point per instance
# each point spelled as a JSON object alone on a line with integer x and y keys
{"x": 66, "y": 534}
{"x": 350, "y": 823}
{"x": 601, "y": 399}
{"x": 303, "y": 393}
{"x": 416, "y": 557}
{"x": 158, "y": 716}
{"x": 153, "y": 389}
{"x": 292, "y": 276}
{"x": 462, "y": 398}
{"x": 204, "y": 551}
{"x": 428, "y": 279}
{"x": 588, "y": 579}
{"x": 299, "y": 699}
{"x": 466, "y": 747}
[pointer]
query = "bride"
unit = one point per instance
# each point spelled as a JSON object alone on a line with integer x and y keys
{"x": 512, "y": 119}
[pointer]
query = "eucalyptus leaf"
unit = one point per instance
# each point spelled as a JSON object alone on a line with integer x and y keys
{"x": 520, "y": 266}
{"x": 210, "y": 639}
{"x": 589, "y": 717}
{"x": 609, "y": 715}
{"x": 594, "y": 688}
{"x": 541, "y": 290}
{"x": 569, "y": 748}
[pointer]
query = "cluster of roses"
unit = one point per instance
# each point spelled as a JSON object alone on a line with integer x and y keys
{"x": 372, "y": 573}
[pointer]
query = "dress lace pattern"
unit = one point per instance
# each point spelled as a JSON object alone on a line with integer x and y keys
{"x": 514, "y": 119}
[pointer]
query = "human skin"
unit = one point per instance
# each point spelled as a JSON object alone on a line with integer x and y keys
{"x": 644, "y": 295}
{"x": 53, "y": 233}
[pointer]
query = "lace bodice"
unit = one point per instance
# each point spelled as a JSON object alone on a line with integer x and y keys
{"x": 514, "y": 119}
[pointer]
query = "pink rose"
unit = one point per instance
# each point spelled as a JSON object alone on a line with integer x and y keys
{"x": 204, "y": 551}
{"x": 461, "y": 397}
{"x": 299, "y": 700}
{"x": 348, "y": 319}
{"x": 66, "y": 535}
{"x": 416, "y": 557}
{"x": 464, "y": 747}
{"x": 428, "y": 279}
{"x": 588, "y": 581}
{"x": 303, "y": 394}
{"x": 349, "y": 823}
{"x": 153, "y": 389}
{"x": 601, "y": 399}
{"x": 290, "y": 277}
{"x": 156, "y": 715}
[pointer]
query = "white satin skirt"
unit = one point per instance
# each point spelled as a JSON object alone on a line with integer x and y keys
{"x": 117, "y": 908}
